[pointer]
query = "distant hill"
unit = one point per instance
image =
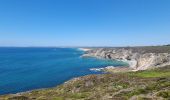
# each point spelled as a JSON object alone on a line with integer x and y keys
{"x": 167, "y": 45}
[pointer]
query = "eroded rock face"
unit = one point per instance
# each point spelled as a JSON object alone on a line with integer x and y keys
{"x": 137, "y": 60}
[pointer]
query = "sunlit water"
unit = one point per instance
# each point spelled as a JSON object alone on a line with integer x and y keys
{"x": 23, "y": 69}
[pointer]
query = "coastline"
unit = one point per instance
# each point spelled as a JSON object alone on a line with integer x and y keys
{"x": 120, "y": 86}
{"x": 138, "y": 58}
{"x": 112, "y": 69}
{"x": 131, "y": 63}
{"x": 103, "y": 82}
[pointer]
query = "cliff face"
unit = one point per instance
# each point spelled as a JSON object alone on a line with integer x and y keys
{"x": 137, "y": 59}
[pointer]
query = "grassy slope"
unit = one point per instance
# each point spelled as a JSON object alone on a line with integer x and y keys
{"x": 142, "y": 85}
{"x": 160, "y": 72}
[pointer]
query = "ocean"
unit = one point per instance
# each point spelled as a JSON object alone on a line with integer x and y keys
{"x": 24, "y": 69}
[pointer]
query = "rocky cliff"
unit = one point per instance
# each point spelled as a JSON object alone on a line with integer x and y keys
{"x": 140, "y": 58}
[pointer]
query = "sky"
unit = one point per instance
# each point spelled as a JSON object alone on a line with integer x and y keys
{"x": 84, "y": 22}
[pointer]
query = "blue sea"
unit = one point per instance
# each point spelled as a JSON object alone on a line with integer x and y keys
{"x": 24, "y": 69}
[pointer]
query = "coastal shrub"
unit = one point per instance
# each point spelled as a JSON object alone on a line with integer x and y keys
{"x": 58, "y": 98}
{"x": 136, "y": 92}
{"x": 120, "y": 85}
{"x": 151, "y": 87}
{"x": 41, "y": 98}
{"x": 18, "y": 98}
{"x": 78, "y": 85}
{"x": 165, "y": 84}
{"x": 157, "y": 86}
{"x": 79, "y": 95}
{"x": 141, "y": 91}
{"x": 129, "y": 94}
{"x": 144, "y": 98}
{"x": 164, "y": 94}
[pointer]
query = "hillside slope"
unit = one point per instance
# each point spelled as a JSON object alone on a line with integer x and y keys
{"x": 140, "y": 85}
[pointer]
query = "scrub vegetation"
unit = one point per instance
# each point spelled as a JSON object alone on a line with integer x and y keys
{"x": 151, "y": 84}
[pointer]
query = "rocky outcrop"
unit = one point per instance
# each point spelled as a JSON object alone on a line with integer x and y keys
{"x": 137, "y": 59}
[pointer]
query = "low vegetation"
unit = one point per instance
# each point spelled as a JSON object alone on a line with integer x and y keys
{"x": 142, "y": 85}
{"x": 159, "y": 72}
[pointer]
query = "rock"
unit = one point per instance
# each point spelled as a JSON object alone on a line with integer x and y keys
{"x": 138, "y": 59}
{"x": 89, "y": 83}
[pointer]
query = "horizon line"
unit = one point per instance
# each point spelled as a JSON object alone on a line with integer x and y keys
{"x": 81, "y": 46}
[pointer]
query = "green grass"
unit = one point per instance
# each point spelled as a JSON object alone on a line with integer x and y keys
{"x": 58, "y": 98}
{"x": 164, "y": 94}
{"x": 152, "y": 73}
{"x": 79, "y": 95}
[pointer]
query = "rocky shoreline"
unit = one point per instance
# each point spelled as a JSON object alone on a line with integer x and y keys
{"x": 138, "y": 58}
{"x": 112, "y": 69}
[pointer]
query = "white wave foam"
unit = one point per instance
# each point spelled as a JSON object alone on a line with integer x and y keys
{"x": 96, "y": 69}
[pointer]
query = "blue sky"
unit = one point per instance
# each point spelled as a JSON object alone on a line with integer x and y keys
{"x": 84, "y": 22}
